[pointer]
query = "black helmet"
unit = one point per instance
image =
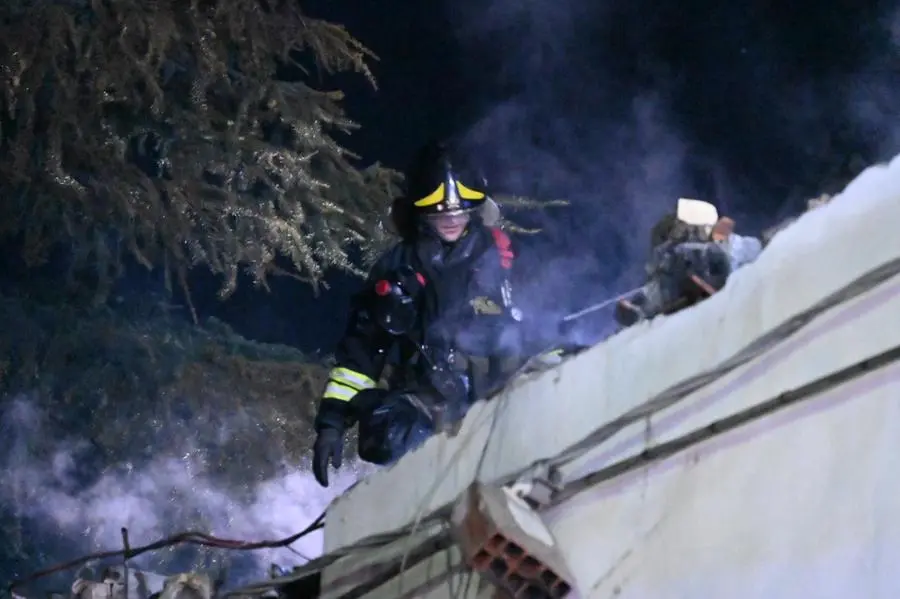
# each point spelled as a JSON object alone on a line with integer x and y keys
{"x": 437, "y": 184}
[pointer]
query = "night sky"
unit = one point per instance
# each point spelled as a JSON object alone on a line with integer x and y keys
{"x": 620, "y": 107}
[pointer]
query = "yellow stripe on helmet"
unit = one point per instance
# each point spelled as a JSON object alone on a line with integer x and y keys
{"x": 467, "y": 193}
{"x": 435, "y": 197}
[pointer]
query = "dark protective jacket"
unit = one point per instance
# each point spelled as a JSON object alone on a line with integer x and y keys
{"x": 671, "y": 284}
{"x": 465, "y": 316}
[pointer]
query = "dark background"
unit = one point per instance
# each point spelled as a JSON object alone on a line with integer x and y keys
{"x": 620, "y": 107}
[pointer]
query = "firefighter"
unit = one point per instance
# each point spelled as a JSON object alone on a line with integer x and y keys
{"x": 437, "y": 307}
{"x": 686, "y": 264}
{"x": 741, "y": 249}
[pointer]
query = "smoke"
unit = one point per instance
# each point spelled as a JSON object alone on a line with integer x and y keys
{"x": 874, "y": 95}
{"x": 893, "y": 25}
{"x": 548, "y": 123}
{"x": 63, "y": 502}
{"x": 623, "y": 108}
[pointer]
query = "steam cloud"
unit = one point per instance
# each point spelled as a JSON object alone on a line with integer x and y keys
{"x": 874, "y": 95}
{"x": 577, "y": 100}
{"x": 170, "y": 494}
{"x": 552, "y": 127}
{"x": 623, "y": 108}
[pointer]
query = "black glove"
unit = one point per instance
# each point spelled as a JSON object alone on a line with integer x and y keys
{"x": 329, "y": 447}
{"x": 333, "y": 418}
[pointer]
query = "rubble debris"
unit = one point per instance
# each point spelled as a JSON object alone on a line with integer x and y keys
{"x": 123, "y": 582}
{"x": 695, "y": 248}
{"x": 811, "y": 205}
{"x": 508, "y": 544}
{"x": 189, "y": 586}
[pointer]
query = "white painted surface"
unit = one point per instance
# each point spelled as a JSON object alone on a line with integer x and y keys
{"x": 762, "y": 512}
{"x": 803, "y": 504}
{"x": 425, "y": 580}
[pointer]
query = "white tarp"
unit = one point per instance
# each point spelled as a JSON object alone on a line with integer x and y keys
{"x": 770, "y": 474}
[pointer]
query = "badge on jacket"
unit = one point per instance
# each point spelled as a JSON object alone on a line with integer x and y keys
{"x": 484, "y": 305}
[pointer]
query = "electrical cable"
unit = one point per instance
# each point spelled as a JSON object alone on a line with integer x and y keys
{"x": 197, "y": 538}
{"x": 666, "y": 399}
{"x": 501, "y": 396}
{"x": 681, "y": 390}
{"x": 188, "y": 537}
{"x": 317, "y": 565}
{"x": 729, "y": 423}
{"x": 410, "y": 556}
{"x": 375, "y": 575}
{"x": 501, "y": 399}
{"x": 311, "y": 567}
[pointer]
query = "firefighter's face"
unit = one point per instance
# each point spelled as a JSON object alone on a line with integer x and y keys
{"x": 449, "y": 227}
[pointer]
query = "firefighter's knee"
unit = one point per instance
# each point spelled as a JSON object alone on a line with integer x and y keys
{"x": 391, "y": 430}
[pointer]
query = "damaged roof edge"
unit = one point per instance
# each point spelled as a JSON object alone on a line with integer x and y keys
{"x": 808, "y": 261}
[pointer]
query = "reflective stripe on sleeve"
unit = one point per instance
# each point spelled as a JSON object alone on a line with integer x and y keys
{"x": 335, "y": 390}
{"x": 351, "y": 378}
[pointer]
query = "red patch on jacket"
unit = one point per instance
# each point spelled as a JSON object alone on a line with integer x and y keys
{"x": 501, "y": 240}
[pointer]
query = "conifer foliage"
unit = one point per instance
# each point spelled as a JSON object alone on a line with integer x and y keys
{"x": 184, "y": 133}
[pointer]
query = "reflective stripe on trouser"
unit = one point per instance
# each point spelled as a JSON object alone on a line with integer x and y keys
{"x": 344, "y": 384}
